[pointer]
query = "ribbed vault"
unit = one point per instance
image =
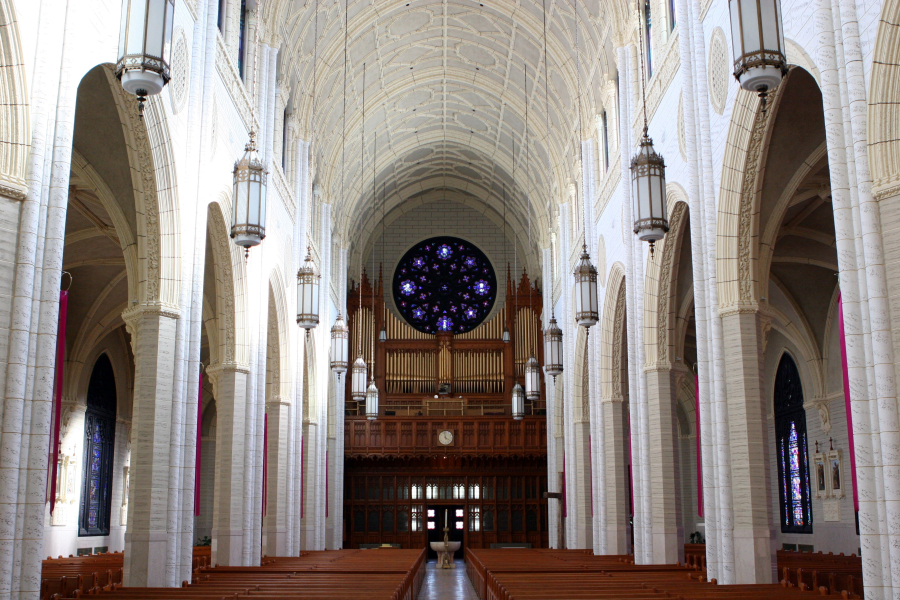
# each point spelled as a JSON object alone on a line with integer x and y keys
{"x": 445, "y": 98}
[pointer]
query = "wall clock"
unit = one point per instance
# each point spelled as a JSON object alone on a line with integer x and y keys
{"x": 445, "y": 437}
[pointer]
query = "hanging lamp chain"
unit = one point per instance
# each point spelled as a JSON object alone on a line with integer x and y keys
{"x": 643, "y": 80}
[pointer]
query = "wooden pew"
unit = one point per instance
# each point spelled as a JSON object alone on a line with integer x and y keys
{"x": 567, "y": 575}
{"x": 332, "y": 575}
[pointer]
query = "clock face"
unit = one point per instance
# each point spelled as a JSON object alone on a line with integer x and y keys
{"x": 445, "y": 437}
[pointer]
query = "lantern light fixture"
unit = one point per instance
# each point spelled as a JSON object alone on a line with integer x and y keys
{"x": 518, "y": 402}
{"x": 505, "y": 335}
{"x": 308, "y": 294}
{"x": 532, "y": 379}
{"x": 372, "y": 401}
{"x": 648, "y": 180}
{"x": 757, "y": 39}
{"x": 248, "y": 225}
{"x": 648, "y": 193}
{"x": 553, "y": 361}
{"x": 145, "y": 47}
{"x": 340, "y": 346}
{"x": 382, "y": 335}
{"x": 358, "y": 379}
{"x": 587, "y": 311}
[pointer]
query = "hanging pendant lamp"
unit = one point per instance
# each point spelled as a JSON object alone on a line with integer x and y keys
{"x": 757, "y": 39}
{"x": 553, "y": 349}
{"x": 518, "y": 402}
{"x": 358, "y": 378}
{"x": 248, "y": 224}
{"x": 308, "y": 294}
{"x": 340, "y": 346}
{"x": 532, "y": 379}
{"x": 648, "y": 181}
{"x": 145, "y": 47}
{"x": 372, "y": 401}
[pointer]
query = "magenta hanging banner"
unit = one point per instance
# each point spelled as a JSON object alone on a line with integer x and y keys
{"x": 199, "y": 448}
{"x": 326, "y": 484}
{"x": 697, "y": 435}
{"x": 591, "y": 472}
{"x": 847, "y": 401}
{"x": 57, "y": 395}
{"x": 630, "y": 477}
{"x": 564, "y": 504}
{"x": 265, "y": 474}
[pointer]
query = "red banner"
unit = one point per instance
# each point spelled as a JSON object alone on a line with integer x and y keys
{"x": 697, "y": 435}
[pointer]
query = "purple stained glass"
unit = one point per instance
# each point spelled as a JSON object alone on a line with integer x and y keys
{"x": 449, "y": 274}
{"x": 796, "y": 481}
{"x": 408, "y": 288}
{"x": 481, "y": 287}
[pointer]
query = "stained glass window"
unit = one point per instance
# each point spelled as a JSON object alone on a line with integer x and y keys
{"x": 791, "y": 445}
{"x": 444, "y": 284}
{"x": 99, "y": 439}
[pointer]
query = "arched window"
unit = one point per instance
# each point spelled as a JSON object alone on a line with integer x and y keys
{"x": 242, "y": 31}
{"x": 605, "y": 143}
{"x": 791, "y": 449}
{"x": 671, "y": 16}
{"x": 648, "y": 38}
{"x": 99, "y": 437}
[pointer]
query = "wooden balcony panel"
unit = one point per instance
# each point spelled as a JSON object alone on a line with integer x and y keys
{"x": 418, "y": 436}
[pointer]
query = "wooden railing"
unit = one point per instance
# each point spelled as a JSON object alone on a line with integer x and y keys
{"x": 418, "y": 436}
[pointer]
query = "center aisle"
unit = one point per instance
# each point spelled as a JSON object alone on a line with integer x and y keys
{"x": 447, "y": 584}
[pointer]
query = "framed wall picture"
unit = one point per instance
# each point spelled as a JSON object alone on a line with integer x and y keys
{"x": 835, "y": 474}
{"x": 820, "y": 470}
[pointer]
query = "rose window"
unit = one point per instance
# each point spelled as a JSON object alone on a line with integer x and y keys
{"x": 444, "y": 284}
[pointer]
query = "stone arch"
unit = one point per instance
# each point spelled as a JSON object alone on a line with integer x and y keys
{"x": 884, "y": 112}
{"x": 155, "y": 196}
{"x": 659, "y": 286}
{"x": 230, "y": 287}
{"x": 14, "y": 118}
{"x": 613, "y": 324}
{"x": 737, "y": 223}
{"x": 281, "y": 376}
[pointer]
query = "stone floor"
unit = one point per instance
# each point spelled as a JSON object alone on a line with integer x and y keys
{"x": 447, "y": 584}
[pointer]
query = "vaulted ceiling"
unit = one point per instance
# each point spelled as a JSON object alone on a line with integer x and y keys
{"x": 446, "y": 97}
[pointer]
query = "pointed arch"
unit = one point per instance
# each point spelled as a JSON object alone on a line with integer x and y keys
{"x": 230, "y": 287}
{"x": 14, "y": 117}
{"x": 153, "y": 179}
{"x": 659, "y": 288}
{"x": 278, "y": 310}
{"x": 884, "y": 112}
{"x": 612, "y": 335}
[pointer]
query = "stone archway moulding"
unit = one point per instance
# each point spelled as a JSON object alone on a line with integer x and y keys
{"x": 155, "y": 197}
{"x": 884, "y": 112}
{"x": 14, "y": 118}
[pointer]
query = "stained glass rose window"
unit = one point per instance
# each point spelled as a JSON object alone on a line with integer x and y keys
{"x": 444, "y": 284}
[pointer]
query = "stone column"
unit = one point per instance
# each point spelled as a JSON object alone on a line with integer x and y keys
{"x": 754, "y": 539}
{"x": 152, "y": 329}
{"x": 278, "y": 412}
{"x": 230, "y": 389}
{"x": 666, "y": 528}
{"x": 310, "y": 485}
{"x": 617, "y": 493}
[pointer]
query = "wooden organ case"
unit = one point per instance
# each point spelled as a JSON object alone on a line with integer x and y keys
{"x": 399, "y": 476}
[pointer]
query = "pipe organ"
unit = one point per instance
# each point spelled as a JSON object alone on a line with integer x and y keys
{"x": 401, "y": 472}
{"x": 472, "y": 373}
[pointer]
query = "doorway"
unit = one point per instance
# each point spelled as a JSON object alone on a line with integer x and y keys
{"x": 455, "y": 515}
